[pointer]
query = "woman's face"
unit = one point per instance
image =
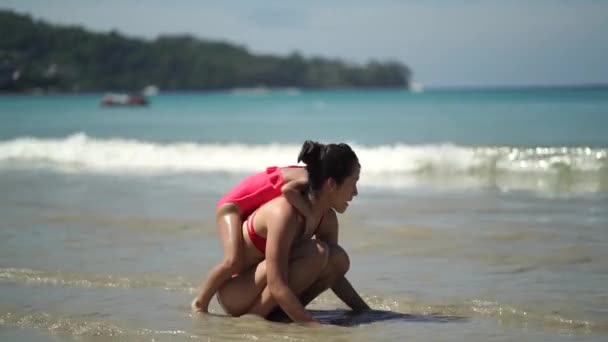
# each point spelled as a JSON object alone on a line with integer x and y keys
{"x": 344, "y": 193}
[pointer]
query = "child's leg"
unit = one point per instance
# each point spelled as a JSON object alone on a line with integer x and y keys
{"x": 229, "y": 225}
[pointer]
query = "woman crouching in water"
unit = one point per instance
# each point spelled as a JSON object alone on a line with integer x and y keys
{"x": 288, "y": 266}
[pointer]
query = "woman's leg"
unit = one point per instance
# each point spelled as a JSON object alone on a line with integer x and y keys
{"x": 248, "y": 293}
{"x": 337, "y": 266}
{"x": 229, "y": 225}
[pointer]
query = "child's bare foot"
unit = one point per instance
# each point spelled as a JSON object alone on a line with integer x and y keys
{"x": 196, "y": 306}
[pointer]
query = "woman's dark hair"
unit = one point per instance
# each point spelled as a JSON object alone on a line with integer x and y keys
{"x": 325, "y": 161}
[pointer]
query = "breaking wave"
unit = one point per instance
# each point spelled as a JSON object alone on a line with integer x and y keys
{"x": 384, "y": 165}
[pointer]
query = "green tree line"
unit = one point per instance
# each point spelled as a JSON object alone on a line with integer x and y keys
{"x": 37, "y": 55}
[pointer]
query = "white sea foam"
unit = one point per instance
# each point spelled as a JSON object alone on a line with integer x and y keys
{"x": 80, "y": 152}
{"x": 383, "y": 164}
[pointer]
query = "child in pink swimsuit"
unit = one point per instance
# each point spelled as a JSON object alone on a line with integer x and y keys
{"x": 239, "y": 203}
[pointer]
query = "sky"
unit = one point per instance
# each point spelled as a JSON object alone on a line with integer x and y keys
{"x": 446, "y": 43}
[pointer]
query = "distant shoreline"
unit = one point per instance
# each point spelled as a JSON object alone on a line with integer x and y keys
{"x": 295, "y": 90}
{"x": 518, "y": 87}
{"x": 42, "y": 57}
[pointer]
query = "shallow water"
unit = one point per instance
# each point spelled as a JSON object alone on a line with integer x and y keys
{"x": 94, "y": 257}
{"x": 481, "y": 216}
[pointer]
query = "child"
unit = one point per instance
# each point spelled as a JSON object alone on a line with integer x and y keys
{"x": 238, "y": 204}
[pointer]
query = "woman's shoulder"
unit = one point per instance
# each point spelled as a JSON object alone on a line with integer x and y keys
{"x": 279, "y": 206}
{"x": 280, "y": 213}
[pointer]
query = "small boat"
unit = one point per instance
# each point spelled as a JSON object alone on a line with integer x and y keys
{"x": 123, "y": 100}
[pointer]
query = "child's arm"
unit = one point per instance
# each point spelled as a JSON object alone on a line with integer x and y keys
{"x": 292, "y": 190}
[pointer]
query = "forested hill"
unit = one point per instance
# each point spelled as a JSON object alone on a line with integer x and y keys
{"x": 36, "y": 55}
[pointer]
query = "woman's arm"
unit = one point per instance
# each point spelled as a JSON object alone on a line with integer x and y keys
{"x": 345, "y": 291}
{"x": 328, "y": 228}
{"x": 281, "y": 234}
{"x": 328, "y": 232}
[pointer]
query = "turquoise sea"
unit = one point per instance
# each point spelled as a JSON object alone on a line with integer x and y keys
{"x": 482, "y": 215}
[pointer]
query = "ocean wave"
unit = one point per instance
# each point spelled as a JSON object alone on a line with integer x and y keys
{"x": 83, "y": 327}
{"x": 418, "y": 309}
{"x": 67, "y": 279}
{"x": 383, "y": 165}
{"x": 166, "y": 225}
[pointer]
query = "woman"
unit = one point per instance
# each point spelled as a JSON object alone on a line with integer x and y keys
{"x": 240, "y": 202}
{"x": 288, "y": 268}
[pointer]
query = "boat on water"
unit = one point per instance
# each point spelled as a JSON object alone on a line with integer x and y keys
{"x": 123, "y": 100}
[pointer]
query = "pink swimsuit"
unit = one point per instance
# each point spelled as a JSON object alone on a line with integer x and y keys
{"x": 251, "y": 193}
{"x": 256, "y": 190}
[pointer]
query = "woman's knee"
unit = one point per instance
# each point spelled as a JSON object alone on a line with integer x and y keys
{"x": 228, "y": 306}
{"x": 338, "y": 259}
